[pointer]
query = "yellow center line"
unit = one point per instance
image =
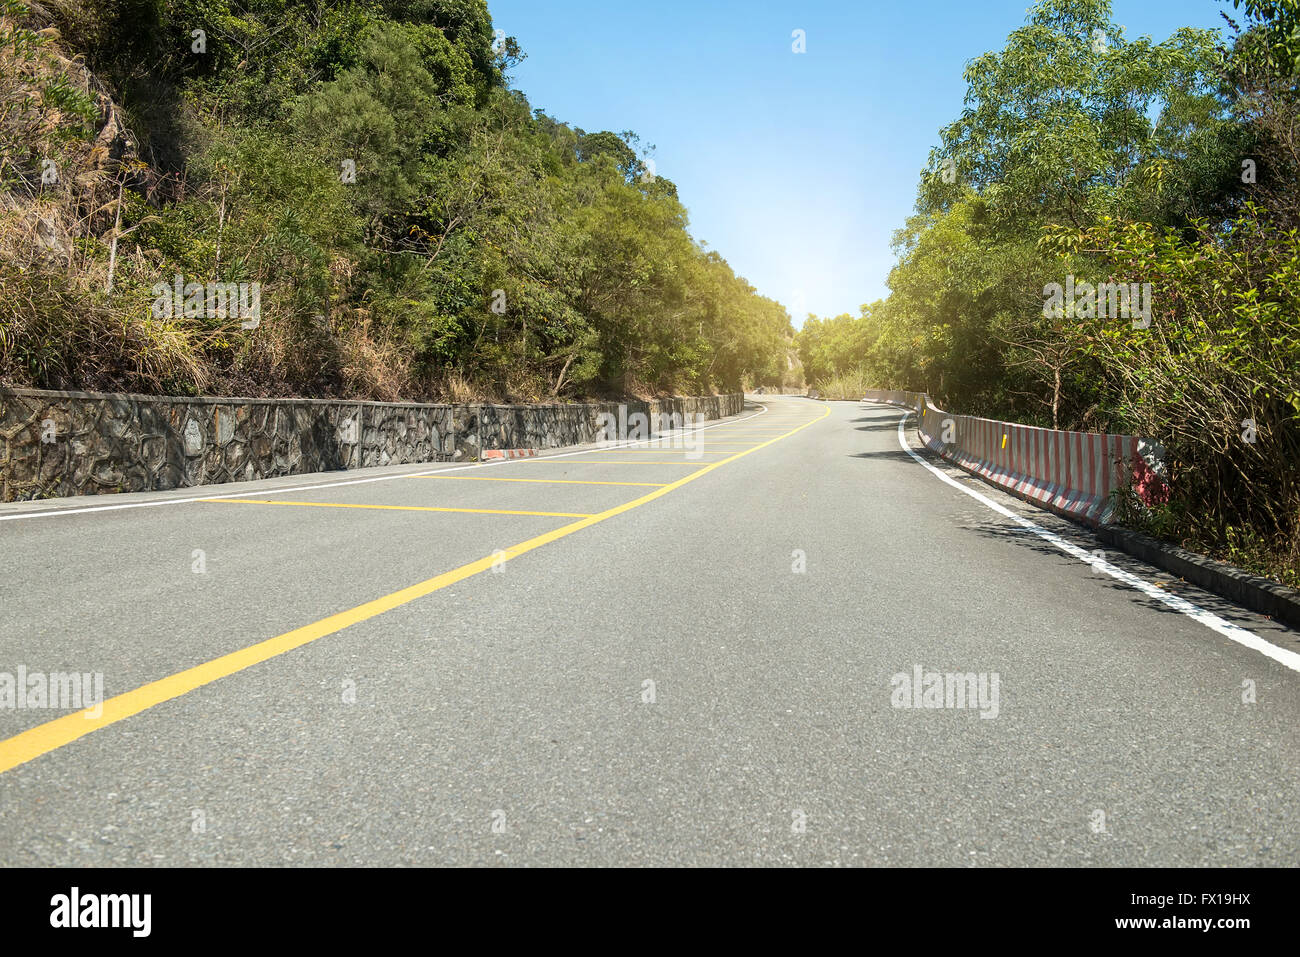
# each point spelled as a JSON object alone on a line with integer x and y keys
{"x": 486, "y": 478}
{"x": 44, "y": 738}
{"x": 397, "y": 508}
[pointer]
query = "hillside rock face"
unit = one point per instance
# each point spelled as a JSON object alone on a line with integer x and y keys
{"x": 65, "y": 150}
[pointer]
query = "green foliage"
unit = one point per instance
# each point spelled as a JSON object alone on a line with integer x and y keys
{"x": 830, "y": 348}
{"x": 1083, "y": 153}
{"x": 417, "y": 230}
{"x": 1071, "y": 120}
{"x": 1278, "y": 21}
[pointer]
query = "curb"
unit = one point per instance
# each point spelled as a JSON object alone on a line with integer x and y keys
{"x": 1260, "y": 595}
{"x": 488, "y": 454}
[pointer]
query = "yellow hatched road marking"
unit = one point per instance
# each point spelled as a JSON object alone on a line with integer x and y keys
{"x": 559, "y": 461}
{"x": 397, "y": 508}
{"x": 656, "y": 451}
{"x": 699, "y": 445}
{"x": 44, "y": 738}
{"x": 487, "y": 478}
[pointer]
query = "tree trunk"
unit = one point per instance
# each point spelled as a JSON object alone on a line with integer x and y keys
{"x": 559, "y": 382}
{"x": 1056, "y": 397}
{"x": 112, "y": 249}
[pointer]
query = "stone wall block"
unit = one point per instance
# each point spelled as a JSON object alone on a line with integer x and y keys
{"x": 110, "y": 443}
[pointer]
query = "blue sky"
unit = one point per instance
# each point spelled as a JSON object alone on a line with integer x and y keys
{"x": 796, "y": 168}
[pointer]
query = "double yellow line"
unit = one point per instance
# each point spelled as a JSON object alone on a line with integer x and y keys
{"x": 44, "y": 738}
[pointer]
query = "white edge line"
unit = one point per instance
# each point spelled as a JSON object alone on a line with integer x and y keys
{"x": 1230, "y": 631}
{"x": 382, "y": 478}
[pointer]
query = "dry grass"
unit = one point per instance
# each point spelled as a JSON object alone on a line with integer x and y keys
{"x": 374, "y": 367}
{"x": 459, "y": 389}
{"x": 852, "y": 385}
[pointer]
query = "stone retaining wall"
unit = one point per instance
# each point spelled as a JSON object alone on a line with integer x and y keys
{"x": 81, "y": 443}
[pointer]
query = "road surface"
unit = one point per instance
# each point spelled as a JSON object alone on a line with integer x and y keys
{"x": 632, "y": 656}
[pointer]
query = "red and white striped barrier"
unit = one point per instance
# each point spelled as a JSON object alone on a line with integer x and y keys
{"x": 487, "y": 454}
{"x": 1072, "y": 473}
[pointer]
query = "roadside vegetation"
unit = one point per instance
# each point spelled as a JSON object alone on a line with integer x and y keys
{"x": 1168, "y": 169}
{"x": 413, "y": 229}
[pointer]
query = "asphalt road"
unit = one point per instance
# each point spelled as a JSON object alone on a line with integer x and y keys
{"x": 697, "y": 669}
